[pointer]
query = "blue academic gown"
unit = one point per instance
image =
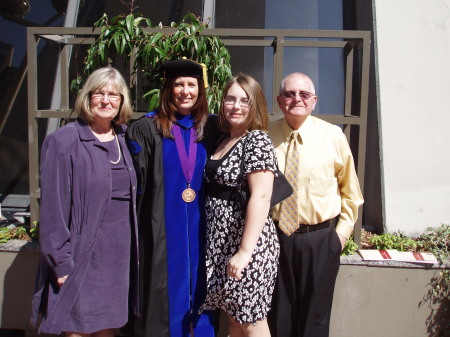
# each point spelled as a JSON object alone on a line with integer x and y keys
{"x": 185, "y": 236}
{"x": 173, "y": 232}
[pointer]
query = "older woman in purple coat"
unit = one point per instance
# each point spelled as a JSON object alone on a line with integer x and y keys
{"x": 88, "y": 220}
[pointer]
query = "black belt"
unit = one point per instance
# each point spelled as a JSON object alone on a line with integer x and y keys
{"x": 230, "y": 193}
{"x": 311, "y": 228}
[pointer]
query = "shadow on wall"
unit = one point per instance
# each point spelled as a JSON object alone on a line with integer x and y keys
{"x": 18, "y": 270}
{"x": 438, "y": 321}
{"x": 17, "y": 276}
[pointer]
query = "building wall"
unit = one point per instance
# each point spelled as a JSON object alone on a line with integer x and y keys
{"x": 375, "y": 301}
{"x": 412, "y": 53}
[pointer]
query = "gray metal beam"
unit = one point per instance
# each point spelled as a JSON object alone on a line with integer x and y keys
{"x": 60, "y": 97}
{"x": 278, "y": 39}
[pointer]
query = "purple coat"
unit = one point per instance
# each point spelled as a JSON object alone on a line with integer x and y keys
{"x": 75, "y": 194}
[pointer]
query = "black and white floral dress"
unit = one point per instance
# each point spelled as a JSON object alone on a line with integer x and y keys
{"x": 246, "y": 300}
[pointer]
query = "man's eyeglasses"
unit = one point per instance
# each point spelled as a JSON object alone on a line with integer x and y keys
{"x": 304, "y": 95}
{"x": 232, "y": 101}
{"x": 98, "y": 96}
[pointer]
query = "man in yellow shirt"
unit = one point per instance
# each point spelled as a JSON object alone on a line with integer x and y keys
{"x": 316, "y": 220}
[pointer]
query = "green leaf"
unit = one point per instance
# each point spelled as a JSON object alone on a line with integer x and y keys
{"x": 102, "y": 21}
{"x": 127, "y": 34}
{"x": 153, "y": 102}
{"x": 167, "y": 46}
{"x": 129, "y": 21}
{"x": 138, "y": 21}
{"x": 101, "y": 51}
{"x": 194, "y": 40}
{"x": 122, "y": 45}
{"x": 151, "y": 92}
{"x": 156, "y": 37}
{"x": 116, "y": 40}
{"x": 178, "y": 44}
{"x": 160, "y": 52}
{"x": 137, "y": 32}
{"x": 194, "y": 29}
{"x": 191, "y": 17}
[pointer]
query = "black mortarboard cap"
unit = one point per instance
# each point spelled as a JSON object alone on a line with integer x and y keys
{"x": 185, "y": 67}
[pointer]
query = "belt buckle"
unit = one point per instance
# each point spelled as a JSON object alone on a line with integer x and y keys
{"x": 307, "y": 228}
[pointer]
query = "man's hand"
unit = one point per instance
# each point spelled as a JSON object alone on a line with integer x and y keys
{"x": 343, "y": 239}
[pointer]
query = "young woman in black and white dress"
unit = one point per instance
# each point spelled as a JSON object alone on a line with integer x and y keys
{"x": 242, "y": 244}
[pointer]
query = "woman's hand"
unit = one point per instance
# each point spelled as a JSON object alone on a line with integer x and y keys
{"x": 61, "y": 280}
{"x": 237, "y": 264}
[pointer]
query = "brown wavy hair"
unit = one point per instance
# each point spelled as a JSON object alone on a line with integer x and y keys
{"x": 258, "y": 113}
{"x": 167, "y": 109}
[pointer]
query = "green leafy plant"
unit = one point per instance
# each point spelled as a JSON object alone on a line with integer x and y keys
{"x": 127, "y": 37}
{"x": 393, "y": 241}
{"x": 19, "y": 233}
{"x": 34, "y": 231}
{"x": 22, "y": 232}
{"x": 437, "y": 241}
{"x": 5, "y": 235}
{"x": 350, "y": 247}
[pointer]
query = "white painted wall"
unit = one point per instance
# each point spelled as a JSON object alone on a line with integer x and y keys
{"x": 412, "y": 55}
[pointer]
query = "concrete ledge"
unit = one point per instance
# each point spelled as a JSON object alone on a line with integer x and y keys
{"x": 356, "y": 260}
{"x": 390, "y": 299}
{"x": 20, "y": 246}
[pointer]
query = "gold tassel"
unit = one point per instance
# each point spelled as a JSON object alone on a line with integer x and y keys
{"x": 205, "y": 74}
{"x": 204, "y": 69}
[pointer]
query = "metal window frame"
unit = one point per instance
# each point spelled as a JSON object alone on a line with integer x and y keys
{"x": 278, "y": 39}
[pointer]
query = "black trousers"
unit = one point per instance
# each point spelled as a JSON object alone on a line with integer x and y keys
{"x": 303, "y": 296}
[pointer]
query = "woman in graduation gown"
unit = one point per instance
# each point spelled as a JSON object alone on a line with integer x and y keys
{"x": 169, "y": 147}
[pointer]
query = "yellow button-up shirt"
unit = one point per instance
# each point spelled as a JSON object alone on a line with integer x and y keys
{"x": 328, "y": 182}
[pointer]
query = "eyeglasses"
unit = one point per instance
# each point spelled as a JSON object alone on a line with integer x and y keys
{"x": 304, "y": 95}
{"x": 232, "y": 101}
{"x": 99, "y": 96}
